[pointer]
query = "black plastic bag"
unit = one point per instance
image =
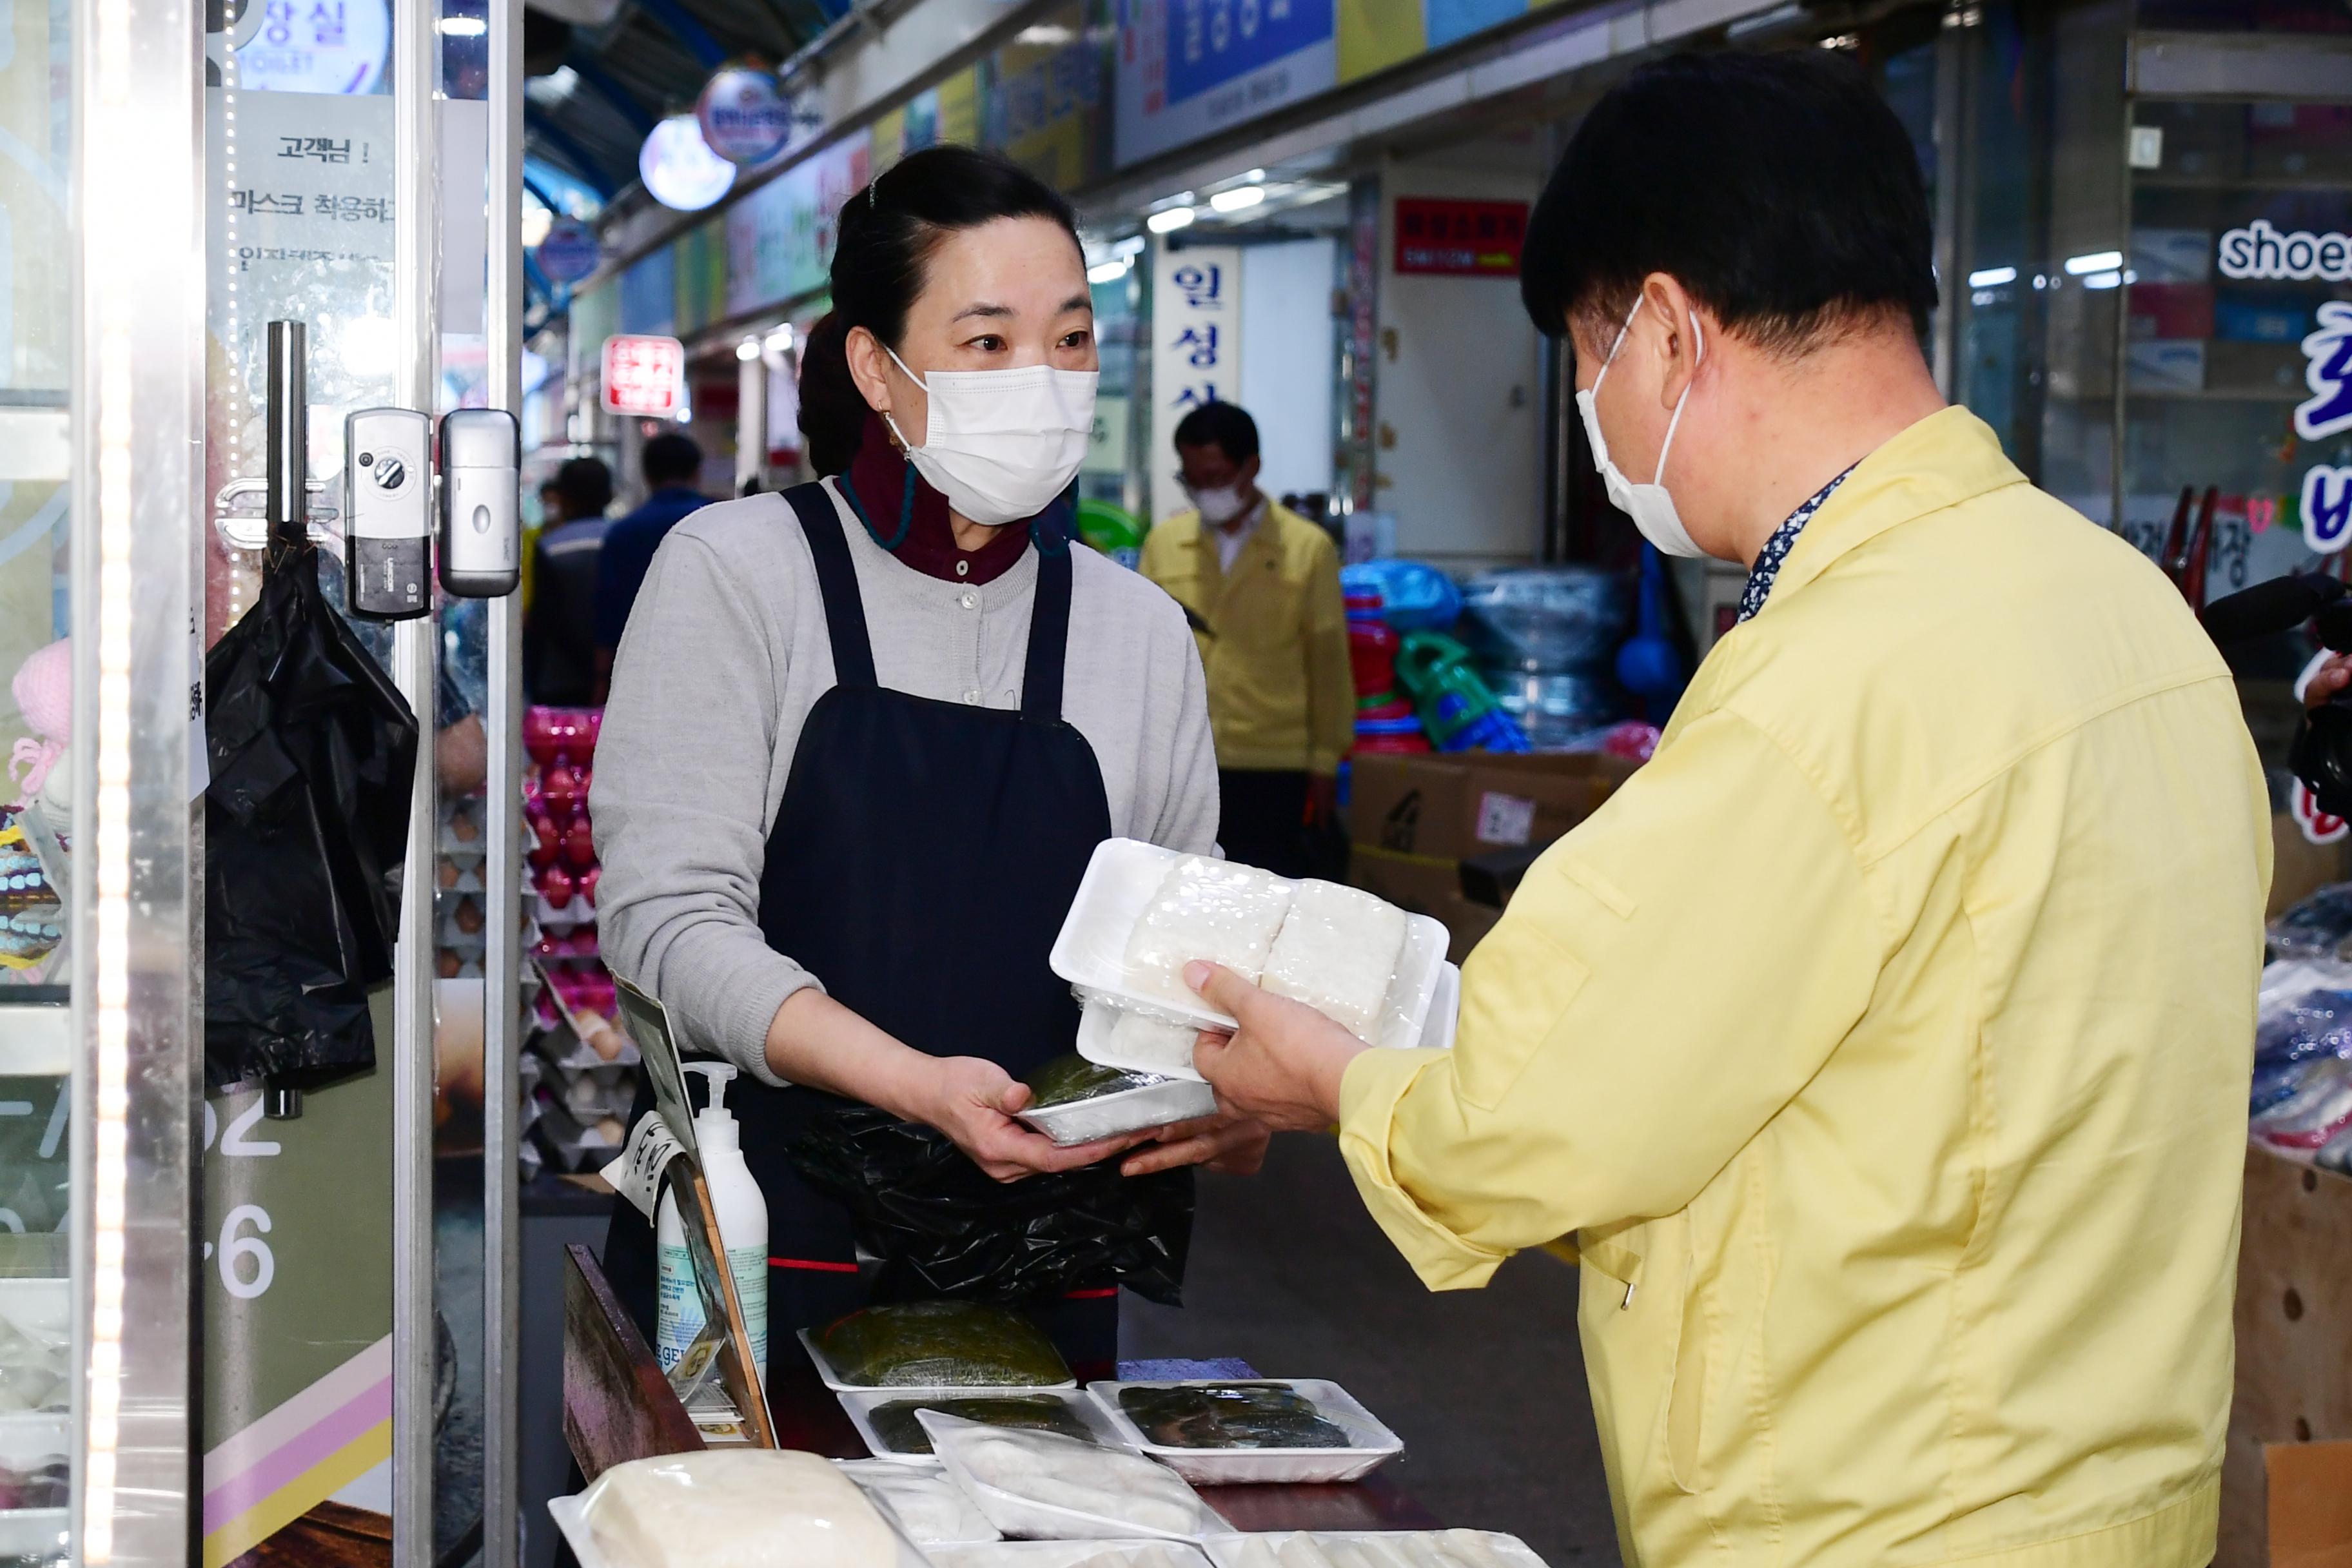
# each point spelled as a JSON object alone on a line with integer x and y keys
{"x": 313, "y": 752}
{"x": 943, "y": 1227}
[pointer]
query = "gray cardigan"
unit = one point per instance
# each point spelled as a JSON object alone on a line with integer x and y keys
{"x": 725, "y": 654}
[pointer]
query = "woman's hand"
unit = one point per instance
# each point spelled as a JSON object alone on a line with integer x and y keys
{"x": 1234, "y": 1144}
{"x": 972, "y": 1101}
{"x": 1282, "y": 1066}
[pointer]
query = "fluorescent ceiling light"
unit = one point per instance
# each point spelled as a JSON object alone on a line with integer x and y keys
{"x": 464, "y": 26}
{"x": 779, "y": 341}
{"x": 1131, "y": 246}
{"x": 1108, "y": 272}
{"x": 1992, "y": 276}
{"x": 748, "y": 349}
{"x": 2095, "y": 261}
{"x": 1238, "y": 199}
{"x": 2102, "y": 280}
{"x": 1169, "y": 221}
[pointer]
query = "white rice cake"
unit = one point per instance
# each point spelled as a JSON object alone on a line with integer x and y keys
{"x": 1206, "y": 909}
{"x": 1070, "y": 1555}
{"x": 736, "y": 1507}
{"x": 1152, "y": 1045}
{"x": 931, "y": 1509}
{"x": 1338, "y": 953}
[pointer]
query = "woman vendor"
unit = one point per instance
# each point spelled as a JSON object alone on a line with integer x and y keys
{"x": 864, "y": 735}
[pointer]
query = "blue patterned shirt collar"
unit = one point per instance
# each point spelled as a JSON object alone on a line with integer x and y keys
{"x": 1766, "y": 570}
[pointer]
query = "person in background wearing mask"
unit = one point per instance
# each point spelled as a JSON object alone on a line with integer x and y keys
{"x": 1261, "y": 587}
{"x": 1882, "y": 1043}
{"x": 865, "y": 735}
{"x": 559, "y": 624}
{"x": 671, "y": 463}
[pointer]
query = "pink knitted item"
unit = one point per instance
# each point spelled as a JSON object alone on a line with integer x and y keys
{"x": 44, "y": 692}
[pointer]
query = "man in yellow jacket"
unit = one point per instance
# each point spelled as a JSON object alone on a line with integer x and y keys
{"x": 1261, "y": 586}
{"x": 1884, "y": 1042}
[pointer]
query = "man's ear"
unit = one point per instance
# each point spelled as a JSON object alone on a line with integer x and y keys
{"x": 1668, "y": 328}
{"x": 1249, "y": 472}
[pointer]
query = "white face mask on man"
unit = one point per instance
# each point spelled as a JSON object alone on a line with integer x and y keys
{"x": 1001, "y": 444}
{"x": 1218, "y": 505}
{"x": 1650, "y": 507}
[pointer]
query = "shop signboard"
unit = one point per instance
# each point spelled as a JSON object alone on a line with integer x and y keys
{"x": 2327, "y": 369}
{"x": 313, "y": 46}
{"x": 1189, "y": 69}
{"x": 1447, "y": 237}
{"x": 1196, "y": 352}
{"x": 1041, "y": 102}
{"x": 570, "y": 251}
{"x": 644, "y": 375}
{"x": 678, "y": 167}
{"x": 744, "y": 114}
{"x": 780, "y": 238}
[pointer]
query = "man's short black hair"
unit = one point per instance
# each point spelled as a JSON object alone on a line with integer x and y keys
{"x": 671, "y": 459}
{"x": 1778, "y": 189}
{"x": 586, "y": 486}
{"x": 1224, "y": 425}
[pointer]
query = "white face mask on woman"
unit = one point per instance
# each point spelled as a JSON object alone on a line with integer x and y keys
{"x": 1650, "y": 507}
{"x": 1001, "y": 444}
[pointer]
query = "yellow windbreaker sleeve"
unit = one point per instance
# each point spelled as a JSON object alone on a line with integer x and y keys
{"x": 1666, "y": 978}
{"x": 1330, "y": 680}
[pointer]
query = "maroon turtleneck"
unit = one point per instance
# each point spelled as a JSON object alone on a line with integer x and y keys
{"x": 878, "y": 476}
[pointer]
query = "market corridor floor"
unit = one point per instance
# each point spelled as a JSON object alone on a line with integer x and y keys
{"x": 1487, "y": 1387}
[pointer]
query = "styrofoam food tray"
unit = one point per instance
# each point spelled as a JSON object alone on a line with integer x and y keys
{"x": 1060, "y": 1553}
{"x": 571, "y": 1517}
{"x": 862, "y": 1404}
{"x": 1032, "y": 1519}
{"x": 1224, "y": 1550}
{"x": 1090, "y": 953}
{"x": 1181, "y": 1099}
{"x": 1372, "y": 1443}
{"x": 833, "y": 1379}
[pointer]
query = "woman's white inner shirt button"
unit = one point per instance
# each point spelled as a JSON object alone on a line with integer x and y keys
{"x": 969, "y": 600}
{"x": 963, "y": 568}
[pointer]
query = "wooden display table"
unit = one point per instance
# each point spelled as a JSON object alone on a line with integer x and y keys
{"x": 618, "y": 1405}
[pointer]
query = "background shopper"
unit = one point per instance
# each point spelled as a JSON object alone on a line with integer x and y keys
{"x": 1882, "y": 1042}
{"x": 672, "y": 463}
{"x": 559, "y": 627}
{"x": 1261, "y": 586}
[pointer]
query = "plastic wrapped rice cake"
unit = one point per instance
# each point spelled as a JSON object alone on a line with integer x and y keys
{"x": 1070, "y": 1555}
{"x": 1052, "y": 1488}
{"x": 736, "y": 1507}
{"x": 941, "y": 1344}
{"x": 1336, "y": 952}
{"x": 1206, "y": 909}
{"x": 1138, "y": 1037}
{"x": 928, "y": 1507}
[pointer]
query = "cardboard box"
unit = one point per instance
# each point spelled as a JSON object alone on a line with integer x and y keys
{"x": 1425, "y": 888}
{"x": 1412, "y": 820}
{"x": 2310, "y": 1504}
{"x": 1443, "y": 807}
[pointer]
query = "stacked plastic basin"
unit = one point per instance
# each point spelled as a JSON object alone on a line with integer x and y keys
{"x": 1385, "y": 721}
{"x": 1544, "y": 638}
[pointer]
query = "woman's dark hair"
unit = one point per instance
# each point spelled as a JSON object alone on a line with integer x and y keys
{"x": 1778, "y": 189}
{"x": 883, "y": 241}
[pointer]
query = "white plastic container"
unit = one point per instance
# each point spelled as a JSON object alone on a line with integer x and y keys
{"x": 1371, "y": 1444}
{"x": 1086, "y": 1411}
{"x": 1120, "y": 879}
{"x": 1391, "y": 1548}
{"x": 928, "y": 1509}
{"x": 835, "y": 1382}
{"x": 1068, "y": 1554}
{"x": 742, "y": 1214}
{"x": 1034, "y": 1519}
{"x": 1128, "y": 1110}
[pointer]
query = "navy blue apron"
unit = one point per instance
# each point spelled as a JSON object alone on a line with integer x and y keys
{"x": 921, "y": 866}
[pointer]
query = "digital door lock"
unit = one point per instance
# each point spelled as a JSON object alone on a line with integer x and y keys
{"x": 389, "y": 515}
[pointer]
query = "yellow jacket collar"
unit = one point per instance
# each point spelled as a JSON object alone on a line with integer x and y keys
{"x": 1950, "y": 457}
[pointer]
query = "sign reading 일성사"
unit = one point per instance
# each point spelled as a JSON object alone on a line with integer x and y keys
{"x": 644, "y": 377}
{"x": 1460, "y": 238}
{"x": 1196, "y": 353}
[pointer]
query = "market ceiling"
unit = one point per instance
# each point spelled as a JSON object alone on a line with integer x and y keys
{"x": 603, "y": 71}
